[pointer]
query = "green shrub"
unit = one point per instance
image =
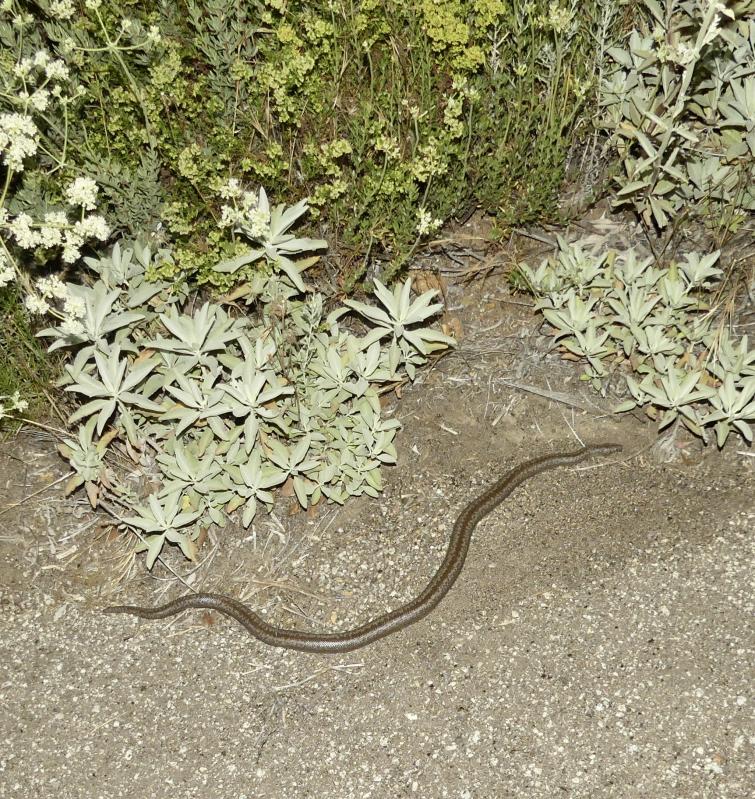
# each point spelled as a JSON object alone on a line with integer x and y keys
{"x": 654, "y": 325}
{"x": 26, "y": 370}
{"x": 679, "y": 107}
{"x": 217, "y": 409}
{"x": 390, "y": 117}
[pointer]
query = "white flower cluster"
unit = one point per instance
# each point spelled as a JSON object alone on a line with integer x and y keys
{"x": 153, "y": 35}
{"x": 83, "y": 192}
{"x": 19, "y": 139}
{"x": 19, "y": 136}
{"x": 35, "y": 304}
{"x": 426, "y": 224}
{"x": 54, "y": 231}
{"x": 61, "y": 9}
{"x": 54, "y": 69}
{"x": 53, "y": 288}
{"x": 231, "y": 190}
{"x": 244, "y": 212}
{"x": 57, "y": 231}
{"x": 39, "y": 71}
{"x": 12, "y": 403}
{"x": 6, "y": 270}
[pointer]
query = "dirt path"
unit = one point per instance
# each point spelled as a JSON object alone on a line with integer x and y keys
{"x": 598, "y": 643}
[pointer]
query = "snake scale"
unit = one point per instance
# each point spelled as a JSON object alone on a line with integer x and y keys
{"x": 401, "y": 617}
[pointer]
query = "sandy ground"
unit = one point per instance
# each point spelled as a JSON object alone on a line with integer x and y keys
{"x": 599, "y": 642}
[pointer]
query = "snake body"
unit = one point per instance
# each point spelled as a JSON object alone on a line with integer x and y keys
{"x": 401, "y": 617}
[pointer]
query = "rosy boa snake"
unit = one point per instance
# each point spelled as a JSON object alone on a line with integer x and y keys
{"x": 401, "y": 617}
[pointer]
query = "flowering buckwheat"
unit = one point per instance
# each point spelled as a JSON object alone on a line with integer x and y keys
{"x": 57, "y": 70}
{"x": 83, "y": 191}
{"x": 231, "y": 189}
{"x": 36, "y": 304}
{"x": 93, "y": 226}
{"x": 71, "y": 245}
{"x": 52, "y": 286}
{"x": 71, "y": 327}
{"x": 7, "y": 275}
{"x": 20, "y": 229}
{"x": 50, "y": 233}
{"x": 18, "y": 139}
{"x": 257, "y": 224}
{"x": 74, "y": 307}
{"x": 41, "y": 57}
{"x": 61, "y": 9}
{"x": 426, "y": 224}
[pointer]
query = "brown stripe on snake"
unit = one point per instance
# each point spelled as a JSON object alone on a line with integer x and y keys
{"x": 401, "y": 617}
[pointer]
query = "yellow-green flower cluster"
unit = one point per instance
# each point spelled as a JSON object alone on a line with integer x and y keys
{"x": 452, "y": 116}
{"x": 287, "y": 78}
{"x": 489, "y": 12}
{"x": 559, "y": 18}
{"x": 326, "y": 155}
{"x": 431, "y": 162}
{"x": 389, "y": 146}
{"x": 189, "y": 161}
{"x": 269, "y": 165}
{"x": 325, "y": 193}
{"x": 445, "y": 25}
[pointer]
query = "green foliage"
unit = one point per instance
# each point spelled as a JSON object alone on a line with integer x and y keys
{"x": 679, "y": 105}
{"x": 217, "y": 409}
{"x": 25, "y": 369}
{"x": 541, "y": 58}
{"x": 654, "y": 324}
{"x": 390, "y": 117}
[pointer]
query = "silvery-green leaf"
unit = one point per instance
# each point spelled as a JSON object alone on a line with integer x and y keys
{"x": 250, "y": 510}
{"x": 291, "y": 270}
{"x": 300, "y": 490}
{"x": 234, "y": 264}
{"x": 415, "y": 338}
{"x": 632, "y": 187}
{"x": 370, "y": 312}
{"x": 293, "y": 246}
{"x": 87, "y": 410}
{"x": 421, "y": 309}
{"x": 389, "y": 299}
{"x": 744, "y": 429}
{"x": 154, "y": 546}
{"x": 127, "y": 420}
{"x": 116, "y": 321}
{"x": 280, "y": 219}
